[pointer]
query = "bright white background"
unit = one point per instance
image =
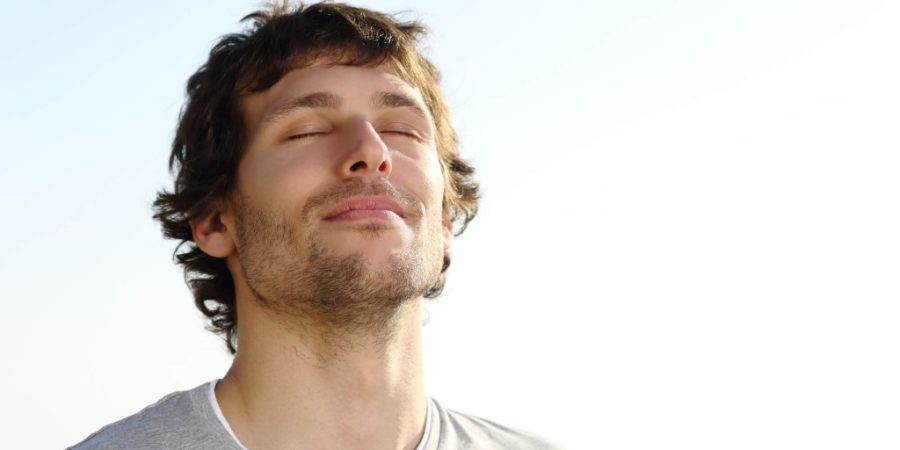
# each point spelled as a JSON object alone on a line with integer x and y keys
{"x": 690, "y": 235}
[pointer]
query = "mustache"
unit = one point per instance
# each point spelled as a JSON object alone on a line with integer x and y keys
{"x": 361, "y": 187}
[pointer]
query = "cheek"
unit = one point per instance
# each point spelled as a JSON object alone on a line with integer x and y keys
{"x": 423, "y": 177}
{"x": 280, "y": 178}
{"x": 435, "y": 177}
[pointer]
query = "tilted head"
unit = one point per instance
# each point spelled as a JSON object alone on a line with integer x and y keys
{"x": 212, "y": 134}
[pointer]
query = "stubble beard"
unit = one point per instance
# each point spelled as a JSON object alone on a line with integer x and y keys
{"x": 341, "y": 300}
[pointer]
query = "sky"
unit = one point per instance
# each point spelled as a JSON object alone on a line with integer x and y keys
{"x": 688, "y": 236}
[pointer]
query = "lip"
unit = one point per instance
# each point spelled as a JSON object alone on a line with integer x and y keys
{"x": 365, "y": 208}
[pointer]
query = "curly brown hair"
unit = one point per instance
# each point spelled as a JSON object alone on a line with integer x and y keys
{"x": 210, "y": 136}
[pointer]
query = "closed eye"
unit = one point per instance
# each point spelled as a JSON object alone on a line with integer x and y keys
{"x": 300, "y": 136}
{"x": 404, "y": 133}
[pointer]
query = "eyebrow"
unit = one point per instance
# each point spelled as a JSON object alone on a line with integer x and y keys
{"x": 386, "y": 99}
{"x": 314, "y": 100}
{"x": 327, "y": 100}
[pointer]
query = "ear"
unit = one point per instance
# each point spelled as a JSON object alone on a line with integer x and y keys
{"x": 213, "y": 234}
{"x": 448, "y": 230}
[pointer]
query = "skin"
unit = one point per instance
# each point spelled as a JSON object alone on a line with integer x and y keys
{"x": 302, "y": 379}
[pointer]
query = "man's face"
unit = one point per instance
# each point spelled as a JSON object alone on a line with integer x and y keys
{"x": 338, "y": 212}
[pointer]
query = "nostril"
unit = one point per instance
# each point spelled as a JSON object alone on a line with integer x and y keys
{"x": 357, "y": 165}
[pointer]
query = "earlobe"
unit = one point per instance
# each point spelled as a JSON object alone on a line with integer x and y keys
{"x": 212, "y": 236}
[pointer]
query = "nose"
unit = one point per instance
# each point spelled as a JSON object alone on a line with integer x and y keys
{"x": 367, "y": 155}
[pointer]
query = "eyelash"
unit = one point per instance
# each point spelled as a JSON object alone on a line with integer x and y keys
{"x": 305, "y": 135}
{"x": 300, "y": 136}
{"x": 408, "y": 134}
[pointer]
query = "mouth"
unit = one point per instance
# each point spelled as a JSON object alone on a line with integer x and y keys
{"x": 365, "y": 208}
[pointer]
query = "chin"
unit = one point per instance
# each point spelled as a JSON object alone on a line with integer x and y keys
{"x": 376, "y": 253}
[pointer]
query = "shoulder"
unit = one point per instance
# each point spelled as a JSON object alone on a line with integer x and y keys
{"x": 463, "y": 431}
{"x": 182, "y": 419}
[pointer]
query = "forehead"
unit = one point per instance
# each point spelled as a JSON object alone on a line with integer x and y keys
{"x": 355, "y": 85}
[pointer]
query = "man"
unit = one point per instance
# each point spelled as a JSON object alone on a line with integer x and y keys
{"x": 317, "y": 190}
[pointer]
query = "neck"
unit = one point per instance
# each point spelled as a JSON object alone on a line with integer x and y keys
{"x": 287, "y": 389}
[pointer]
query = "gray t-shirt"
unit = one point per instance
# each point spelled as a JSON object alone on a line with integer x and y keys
{"x": 187, "y": 420}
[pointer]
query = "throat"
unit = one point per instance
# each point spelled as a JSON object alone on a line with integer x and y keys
{"x": 285, "y": 388}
